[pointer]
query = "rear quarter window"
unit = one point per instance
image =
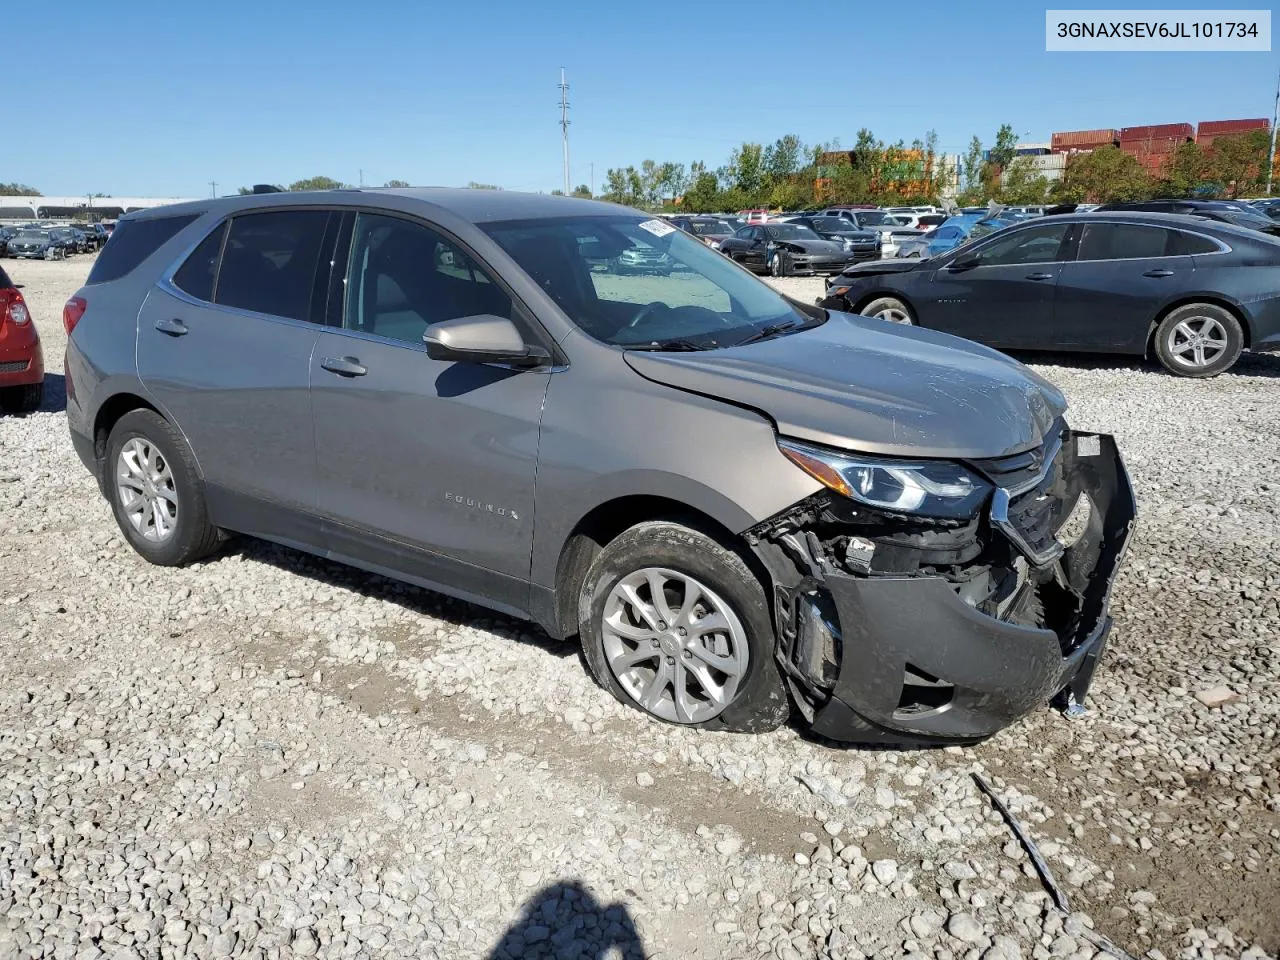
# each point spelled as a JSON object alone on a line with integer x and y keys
{"x": 1192, "y": 243}
{"x": 133, "y": 241}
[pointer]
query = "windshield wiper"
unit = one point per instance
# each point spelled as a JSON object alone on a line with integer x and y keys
{"x": 674, "y": 344}
{"x": 770, "y": 330}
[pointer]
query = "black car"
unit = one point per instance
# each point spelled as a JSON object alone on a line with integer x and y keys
{"x": 6, "y": 234}
{"x": 786, "y": 249}
{"x": 864, "y": 244}
{"x": 65, "y": 239}
{"x": 94, "y": 233}
{"x": 1194, "y": 292}
{"x": 710, "y": 230}
{"x": 1224, "y": 211}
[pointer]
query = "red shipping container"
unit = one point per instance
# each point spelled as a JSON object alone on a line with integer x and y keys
{"x": 1182, "y": 131}
{"x": 1222, "y": 128}
{"x": 1064, "y": 140}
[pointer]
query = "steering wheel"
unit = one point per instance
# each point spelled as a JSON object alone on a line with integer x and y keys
{"x": 645, "y": 312}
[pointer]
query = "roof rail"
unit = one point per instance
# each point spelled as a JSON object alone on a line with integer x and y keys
{"x": 267, "y": 188}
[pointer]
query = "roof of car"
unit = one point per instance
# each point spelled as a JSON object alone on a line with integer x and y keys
{"x": 476, "y": 206}
{"x": 1184, "y": 221}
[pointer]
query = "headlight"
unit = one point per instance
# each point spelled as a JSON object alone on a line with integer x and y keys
{"x": 929, "y": 488}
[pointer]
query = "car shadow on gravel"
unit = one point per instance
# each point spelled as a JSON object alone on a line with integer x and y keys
{"x": 55, "y": 393}
{"x": 565, "y": 920}
{"x": 1249, "y": 364}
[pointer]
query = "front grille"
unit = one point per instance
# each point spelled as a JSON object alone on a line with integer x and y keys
{"x": 14, "y": 366}
{"x": 1030, "y": 500}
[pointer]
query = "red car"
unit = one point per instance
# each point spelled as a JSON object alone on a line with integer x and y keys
{"x": 21, "y": 359}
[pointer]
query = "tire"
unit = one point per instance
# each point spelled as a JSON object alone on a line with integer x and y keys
{"x": 1198, "y": 340}
{"x": 190, "y": 536}
{"x": 778, "y": 267}
{"x": 754, "y": 699}
{"x": 889, "y": 309}
{"x": 23, "y": 399}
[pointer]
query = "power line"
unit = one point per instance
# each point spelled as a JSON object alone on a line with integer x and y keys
{"x": 564, "y": 127}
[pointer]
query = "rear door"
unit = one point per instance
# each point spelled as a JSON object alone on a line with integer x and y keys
{"x": 426, "y": 467}
{"x": 1007, "y": 298}
{"x": 1121, "y": 273}
{"x": 224, "y": 347}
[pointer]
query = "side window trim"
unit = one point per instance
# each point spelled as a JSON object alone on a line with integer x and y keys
{"x": 531, "y": 328}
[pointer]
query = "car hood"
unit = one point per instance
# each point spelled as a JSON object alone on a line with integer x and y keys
{"x": 857, "y": 236}
{"x": 824, "y": 248}
{"x": 879, "y": 266}
{"x": 863, "y": 384}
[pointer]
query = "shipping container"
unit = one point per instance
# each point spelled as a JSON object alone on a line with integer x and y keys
{"x": 1183, "y": 131}
{"x": 1065, "y": 140}
{"x": 1222, "y": 128}
{"x": 1050, "y": 161}
{"x": 1032, "y": 149}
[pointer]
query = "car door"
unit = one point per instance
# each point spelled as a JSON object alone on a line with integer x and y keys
{"x": 224, "y": 348}
{"x": 999, "y": 291}
{"x": 736, "y": 246}
{"x": 426, "y": 467}
{"x": 1121, "y": 274}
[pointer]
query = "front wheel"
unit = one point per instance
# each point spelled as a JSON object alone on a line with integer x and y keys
{"x": 778, "y": 266}
{"x": 890, "y": 309}
{"x": 674, "y": 623}
{"x": 1199, "y": 340}
{"x": 156, "y": 492}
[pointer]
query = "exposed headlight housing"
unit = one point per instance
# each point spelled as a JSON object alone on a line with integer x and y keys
{"x": 931, "y": 488}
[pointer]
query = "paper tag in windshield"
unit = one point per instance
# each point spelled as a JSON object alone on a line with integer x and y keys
{"x": 657, "y": 227}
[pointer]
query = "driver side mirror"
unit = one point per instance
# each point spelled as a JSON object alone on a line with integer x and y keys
{"x": 483, "y": 338}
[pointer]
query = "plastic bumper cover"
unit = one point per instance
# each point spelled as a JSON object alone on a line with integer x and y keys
{"x": 999, "y": 671}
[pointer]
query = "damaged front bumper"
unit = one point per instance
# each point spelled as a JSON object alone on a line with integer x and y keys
{"x": 925, "y": 656}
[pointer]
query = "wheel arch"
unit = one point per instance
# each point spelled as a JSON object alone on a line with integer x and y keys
{"x": 1215, "y": 299}
{"x": 866, "y": 298}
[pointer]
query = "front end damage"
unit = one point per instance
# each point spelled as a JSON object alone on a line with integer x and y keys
{"x": 908, "y": 630}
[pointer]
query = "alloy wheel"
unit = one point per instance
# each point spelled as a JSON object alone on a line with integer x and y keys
{"x": 144, "y": 484}
{"x": 893, "y": 315}
{"x": 1197, "y": 342}
{"x": 674, "y": 645}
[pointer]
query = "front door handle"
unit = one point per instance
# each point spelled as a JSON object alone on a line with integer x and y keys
{"x": 1040, "y": 276}
{"x": 174, "y": 328}
{"x": 344, "y": 366}
{"x": 1158, "y": 273}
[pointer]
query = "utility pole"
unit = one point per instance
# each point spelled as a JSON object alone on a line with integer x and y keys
{"x": 564, "y": 127}
{"x": 593, "y": 178}
{"x": 213, "y": 189}
{"x": 1271, "y": 157}
{"x": 362, "y": 177}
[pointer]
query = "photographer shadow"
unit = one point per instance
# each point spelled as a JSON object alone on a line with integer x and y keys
{"x": 565, "y": 922}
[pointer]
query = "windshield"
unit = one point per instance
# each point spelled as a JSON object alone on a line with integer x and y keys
{"x": 710, "y": 228}
{"x": 834, "y": 225}
{"x": 31, "y": 235}
{"x": 874, "y": 218}
{"x": 790, "y": 231}
{"x": 1246, "y": 218}
{"x": 642, "y": 283}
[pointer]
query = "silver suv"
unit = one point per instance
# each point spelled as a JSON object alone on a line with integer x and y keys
{"x": 736, "y": 501}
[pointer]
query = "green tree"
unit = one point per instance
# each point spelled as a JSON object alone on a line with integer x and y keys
{"x": 557, "y": 193}
{"x": 1240, "y": 162}
{"x": 1106, "y": 174}
{"x": 615, "y": 186}
{"x": 1023, "y": 183}
{"x": 472, "y": 185}
{"x": 1006, "y": 146}
{"x": 396, "y": 183}
{"x": 746, "y": 170}
{"x": 1186, "y": 170}
{"x": 782, "y": 158}
{"x": 971, "y": 167}
{"x": 18, "y": 190}
{"x": 703, "y": 195}
{"x": 317, "y": 183}
{"x": 582, "y": 190}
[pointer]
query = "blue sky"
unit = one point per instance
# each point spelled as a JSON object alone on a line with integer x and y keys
{"x": 447, "y": 92}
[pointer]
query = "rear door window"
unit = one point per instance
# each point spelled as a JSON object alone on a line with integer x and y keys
{"x": 198, "y": 271}
{"x": 133, "y": 241}
{"x": 1125, "y": 241}
{"x": 271, "y": 263}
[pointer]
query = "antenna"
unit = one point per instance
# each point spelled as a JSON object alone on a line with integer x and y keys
{"x": 564, "y": 127}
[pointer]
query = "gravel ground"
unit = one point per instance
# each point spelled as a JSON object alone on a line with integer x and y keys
{"x": 268, "y": 755}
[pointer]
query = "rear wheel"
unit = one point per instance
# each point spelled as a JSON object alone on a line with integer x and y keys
{"x": 1199, "y": 340}
{"x": 24, "y": 399}
{"x": 155, "y": 490}
{"x": 890, "y": 309}
{"x": 675, "y": 624}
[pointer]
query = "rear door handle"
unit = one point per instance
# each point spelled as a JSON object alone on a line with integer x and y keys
{"x": 1040, "y": 276}
{"x": 174, "y": 328}
{"x": 344, "y": 366}
{"x": 1158, "y": 273}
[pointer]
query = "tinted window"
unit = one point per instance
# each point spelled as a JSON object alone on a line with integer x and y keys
{"x": 1123, "y": 241}
{"x": 1036, "y": 245}
{"x": 404, "y": 277}
{"x": 270, "y": 261}
{"x": 744, "y": 233}
{"x": 197, "y": 272}
{"x": 791, "y": 231}
{"x": 133, "y": 241}
{"x": 1189, "y": 243}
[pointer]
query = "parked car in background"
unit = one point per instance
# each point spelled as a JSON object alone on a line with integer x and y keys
{"x": 863, "y": 244}
{"x": 21, "y": 359}
{"x": 961, "y": 229}
{"x": 6, "y": 234}
{"x": 82, "y": 241}
{"x": 920, "y": 221}
{"x": 787, "y": 249}
{"x": 95, "y": 234}
{"x": 915, "y": 247}
{"x": 36, "y": 244}
{"x": 710, "y": 230}
{"x": 878, "y": 220}
{"x": 1226, "y": 211}
{"x": 1193, "y": 292}
{"x": 755, "y": 215}
{"x": 708, "y": 518}
{"x": 1270, "y": 207}
{"x": 66, "y": 239}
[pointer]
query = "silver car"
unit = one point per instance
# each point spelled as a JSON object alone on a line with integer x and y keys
{"x": 737, "y": 503}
